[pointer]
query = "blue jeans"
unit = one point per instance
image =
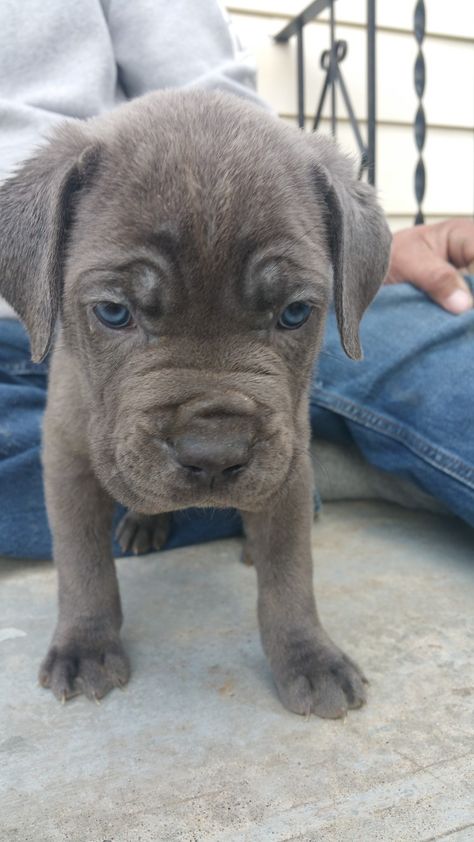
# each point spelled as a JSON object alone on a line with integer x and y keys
{"x": 408, "y": 406}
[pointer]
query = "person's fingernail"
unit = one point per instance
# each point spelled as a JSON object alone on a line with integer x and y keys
{"x": 459, "y": 301}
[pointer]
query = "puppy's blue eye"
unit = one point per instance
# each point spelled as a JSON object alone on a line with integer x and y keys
{"x": 113, "y": 315}
{"x": 295, "y": 315}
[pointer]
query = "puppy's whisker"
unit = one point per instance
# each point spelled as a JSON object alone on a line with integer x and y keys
{"x": 330, "y": 354}
{"x": 319, "y": 466}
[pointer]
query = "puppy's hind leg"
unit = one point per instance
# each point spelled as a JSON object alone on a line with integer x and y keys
{"x": 246, "y": 553}
{"x": 143, "y": 533}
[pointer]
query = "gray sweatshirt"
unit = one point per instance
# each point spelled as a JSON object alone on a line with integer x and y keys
{"x": 80, "y": 58}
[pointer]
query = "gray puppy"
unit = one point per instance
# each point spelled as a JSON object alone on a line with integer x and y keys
{"x": 186, "y": 247}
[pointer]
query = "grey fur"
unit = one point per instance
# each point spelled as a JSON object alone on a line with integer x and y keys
{"x": 207, "y": 217}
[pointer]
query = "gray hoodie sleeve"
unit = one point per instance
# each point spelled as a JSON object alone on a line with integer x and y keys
{"x": 61, "y": 60}
{"x": 171, "y": 43}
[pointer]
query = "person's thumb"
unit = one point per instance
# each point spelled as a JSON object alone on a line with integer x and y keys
{"x": 443, "y": 283}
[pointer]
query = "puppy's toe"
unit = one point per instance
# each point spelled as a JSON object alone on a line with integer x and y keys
{"x": 161, "y": 531}
{"x": 143, "y": 533}
{"x": 57, "y": 673}
{"x": 338, "y": 690}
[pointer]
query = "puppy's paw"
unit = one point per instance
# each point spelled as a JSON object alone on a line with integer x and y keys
{"x": 143, "y": 533}
{"x": 319, "y": 678}
{"x": 76, "y": 668}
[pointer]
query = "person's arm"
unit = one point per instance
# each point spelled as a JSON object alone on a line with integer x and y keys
{"x": 429, "y": 256}
{"x": 172, "y": 43}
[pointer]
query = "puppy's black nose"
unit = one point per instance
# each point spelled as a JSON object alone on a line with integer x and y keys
{"x": 208, "y": 459}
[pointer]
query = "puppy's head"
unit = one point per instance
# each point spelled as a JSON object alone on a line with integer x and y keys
{"x": 189, "y": 245}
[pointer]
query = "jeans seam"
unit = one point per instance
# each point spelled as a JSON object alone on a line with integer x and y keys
{"x": 435, "y": 456}
{"x": 24, "y": 369}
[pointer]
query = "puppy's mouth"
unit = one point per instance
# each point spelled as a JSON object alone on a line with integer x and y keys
{"x": 202, "y": 473}
{"x": 225, "y": 450}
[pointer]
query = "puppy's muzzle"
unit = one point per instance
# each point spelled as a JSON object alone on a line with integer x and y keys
{"x": 213, "y": 440}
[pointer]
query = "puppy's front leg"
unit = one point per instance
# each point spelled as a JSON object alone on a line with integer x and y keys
{"x": 311, "y": 673}
{"x": 86, "y": 655}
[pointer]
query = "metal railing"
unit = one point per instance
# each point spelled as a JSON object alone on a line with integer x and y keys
{"x": 331, "y": 60}
{"x": 419, "y": 19}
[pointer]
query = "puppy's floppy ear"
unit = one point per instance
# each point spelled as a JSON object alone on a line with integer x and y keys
{"x": 359, "y": 239}
{"x": 35, "y": 212}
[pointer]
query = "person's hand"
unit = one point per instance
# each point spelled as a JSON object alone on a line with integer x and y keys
{"x": 429, "y": 257}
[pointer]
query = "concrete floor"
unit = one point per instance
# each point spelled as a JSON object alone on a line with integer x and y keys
{"x": 198, "y": 746}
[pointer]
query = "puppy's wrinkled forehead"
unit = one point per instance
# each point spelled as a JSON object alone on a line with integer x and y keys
{"x": 216, "y": 192}
{"x": 214, "y": 178}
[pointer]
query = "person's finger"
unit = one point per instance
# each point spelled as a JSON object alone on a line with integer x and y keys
{"x": 443, "y": 283}
{"x": 425, "y": 255}
{"x": 459, "y": 300}
{"x": 460, "y": 242}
